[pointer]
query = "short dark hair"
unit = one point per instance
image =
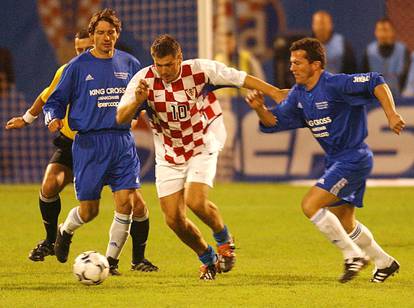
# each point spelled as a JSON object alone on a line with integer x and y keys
{"x": 313, "y": 47}
{"x": 107, "y": 15}
{"x": 384, "y": 20}
{"x": 82, "y": 34}
{"x": 165, "y": 45}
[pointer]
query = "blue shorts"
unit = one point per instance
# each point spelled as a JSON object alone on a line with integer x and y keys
{"x": 104, "y": 158}
{"x": 347, "y": 180}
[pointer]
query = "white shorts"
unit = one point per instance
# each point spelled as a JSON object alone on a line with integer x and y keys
{"x": 199, "y": 169}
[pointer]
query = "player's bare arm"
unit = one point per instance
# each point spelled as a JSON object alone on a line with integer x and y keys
{"x": 253, "y": 83}
{"x": 255, "y": 100}
{"x": 126, "y": 112}
{"x": 395, "y": 120}
{"x": 55, "y": 125}
{"x": 31, "y": 114}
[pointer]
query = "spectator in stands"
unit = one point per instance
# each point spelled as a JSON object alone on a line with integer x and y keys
{"x": 239, "y": 58}
{"x": 409, "y": 86}
{"x": 387, "y": 56}
{"x": 340, "y": 56}
{"x": 6, "y": 70}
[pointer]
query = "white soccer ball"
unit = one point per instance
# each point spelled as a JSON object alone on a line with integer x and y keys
{"x": 91, "y": 268}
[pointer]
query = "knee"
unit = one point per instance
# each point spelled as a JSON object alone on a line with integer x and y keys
{"x": 308, "y": 208}
{"x": 176, "y": 222}
{"x": 87, "y": 213}
{"x": 196, "y": 203}
{"x": 50, "y": 187}
{"x": 139, "y": 208}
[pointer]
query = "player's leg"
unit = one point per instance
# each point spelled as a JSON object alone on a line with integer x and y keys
{"x": 200, "y": 177}
{"x": 139, "y": 233}
{"x": 174, "y": 211}
{"x": 385, "y": 265}
{"x": 57, "y": 175}
{"x": 89, "y": 174}
{"x": 119, "y": 231}
{"x": 314, "y": 206}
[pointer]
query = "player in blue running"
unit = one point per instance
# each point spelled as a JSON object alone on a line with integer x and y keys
{"x": 332, "y": 106}
{"x": 104, "y": 152}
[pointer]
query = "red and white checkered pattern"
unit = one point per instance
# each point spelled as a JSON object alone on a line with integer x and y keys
{"x": 178, "y": 111}
{"x": 182, "y": 137}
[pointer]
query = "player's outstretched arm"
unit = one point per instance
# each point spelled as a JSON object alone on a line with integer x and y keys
{"x": 395, "y": 121}
{"x": 254, "y": 83}
{"x": 255, "y": 100}
{"x": 130, "y": 102}
{"x": 31, "y": 114}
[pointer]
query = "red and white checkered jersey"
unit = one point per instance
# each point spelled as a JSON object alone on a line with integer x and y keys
{"x": 178, "y": 111}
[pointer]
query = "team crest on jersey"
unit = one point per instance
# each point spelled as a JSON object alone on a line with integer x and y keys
{"x": 121, "y": 75}
{"x": 321, "y": 105}
{"x": 191, "y": 93}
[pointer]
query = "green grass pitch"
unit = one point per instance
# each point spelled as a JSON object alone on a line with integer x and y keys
{"x": 283, "y": 261}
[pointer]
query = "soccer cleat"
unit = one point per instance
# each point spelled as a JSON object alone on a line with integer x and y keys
{"x": 208, "y": 272}
{"x": 43, "y": 249}
{"x": 226, "y": 255}
{"x": 352, "y": 267}
{"x": 380, "y": 275}
{"x": 62, "y": 245}
{"x": 144, "y": 266}
{"x": 113, "y": 266}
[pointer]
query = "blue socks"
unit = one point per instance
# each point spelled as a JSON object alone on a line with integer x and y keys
{"x": 222, "y": 237}
{"x": 209, "y": 256}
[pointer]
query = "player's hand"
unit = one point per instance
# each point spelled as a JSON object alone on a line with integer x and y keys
{"x": 55, "y": 125}
{"x": 255, "y": 99}
{"x": 396, "y": 123}
{"x": 141, "y": 92}
{"x": 16, "y": 122}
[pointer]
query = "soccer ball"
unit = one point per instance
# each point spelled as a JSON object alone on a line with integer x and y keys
{"x": 91, "y": 268}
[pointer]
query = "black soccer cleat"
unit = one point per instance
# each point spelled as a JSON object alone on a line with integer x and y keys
{"x": 113, "y": 266}
{"x": 352, "y": 267}
{"x": 144, "y": 266}
{"x": 43, "y": 249}
{"x": 62, "y": 245}
{"x": 380, "y": 275}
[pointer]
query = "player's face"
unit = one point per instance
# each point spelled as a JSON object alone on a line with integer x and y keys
{"x": 168, "y": 67}
{"x": 104, "y": 38}
{"x": 82, "y": 44}
{"x": 322, "y": 26}
{"x": 384, "y": 32}
{"x": 302, "y": 69}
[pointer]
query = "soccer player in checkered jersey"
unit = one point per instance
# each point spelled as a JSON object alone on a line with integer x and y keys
{"x": 332, "y": 106}
{"x": 104, "y": 152}
{"x": 187, "y": 142}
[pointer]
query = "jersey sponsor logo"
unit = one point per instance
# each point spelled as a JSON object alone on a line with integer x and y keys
{"x": 107, "y": 104}
{"x": 321, "y": 105}
{"x": 103, "y": 91}
{"x": 321, "y": 121}
{"x": 363, "y": 78}
{"x": 300, "y": 105}
{"x": 89, "y": 77}
{"x": 121, "y": 75}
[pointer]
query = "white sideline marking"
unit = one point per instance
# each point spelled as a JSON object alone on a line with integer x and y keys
{"x": 370, "y": 182}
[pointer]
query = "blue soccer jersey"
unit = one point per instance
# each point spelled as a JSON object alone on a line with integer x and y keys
{"x": 334, "y": 111}
{"x": 93, "y": 87}
{"x": 104, "y": 152}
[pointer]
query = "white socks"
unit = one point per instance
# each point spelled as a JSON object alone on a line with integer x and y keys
{"x": 118, "y": 234}
{"x": 365, "y": 240}
{"x": 73, "y": 221}
{"x": 331, "y": 227}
